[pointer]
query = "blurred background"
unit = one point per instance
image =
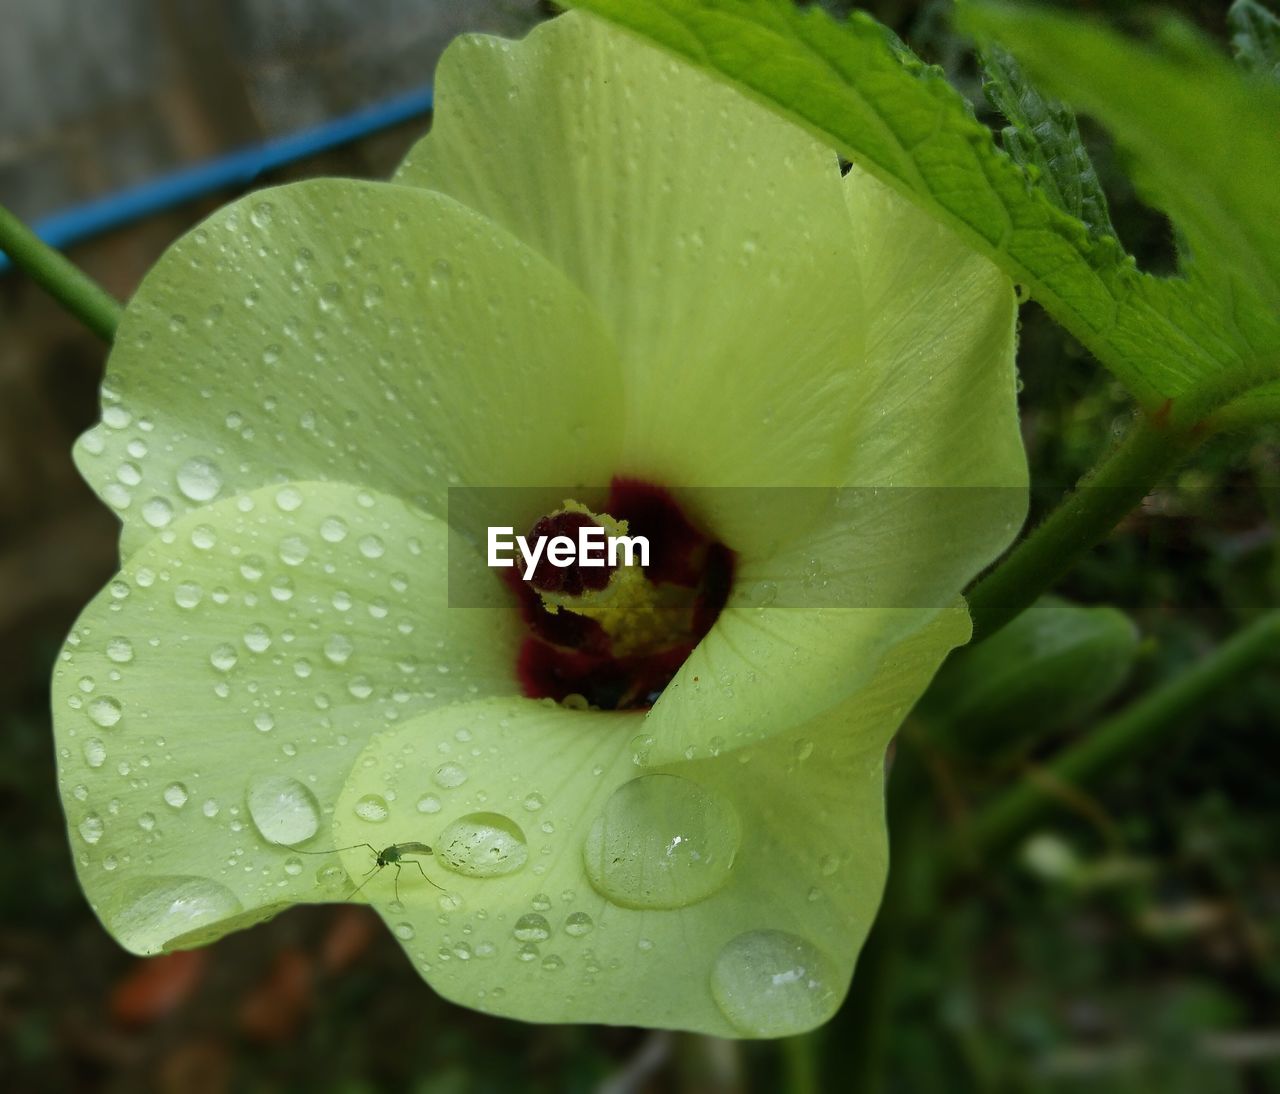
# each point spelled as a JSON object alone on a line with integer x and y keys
{"x": 1129, "y": 945}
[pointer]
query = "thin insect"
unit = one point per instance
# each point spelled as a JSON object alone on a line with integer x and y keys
{"x": 397, "y": 854}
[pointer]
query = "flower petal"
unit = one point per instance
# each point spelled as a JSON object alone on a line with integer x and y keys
{"x": 710, "y": 234}
{"x": 349, "y": 331}
{"x": 727, "y": 895}
{"x": 934, "y": 489}
{"x": 938, "y": 407}
{"x": 210, "y": 701}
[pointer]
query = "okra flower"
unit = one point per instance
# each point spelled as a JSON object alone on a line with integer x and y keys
{"x": 601, "y": 280}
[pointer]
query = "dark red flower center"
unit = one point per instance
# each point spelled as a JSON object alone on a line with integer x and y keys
{"x": 611, "y": 640}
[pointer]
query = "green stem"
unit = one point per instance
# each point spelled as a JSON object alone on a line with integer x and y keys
{"x": 1153, "y": 446}
{"x": 81, "y": 296}
{"x": 800, "y": 1058}
{"x": 866, "y": 1021}
{"x": 1125, "y": 736}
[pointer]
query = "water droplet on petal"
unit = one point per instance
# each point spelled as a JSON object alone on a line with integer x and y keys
{"x": 288, "y": 499}
{"x": 157, "y": 512}
{"x": 661, "y": 841}
{"x": 199, "y": 480}
{"x": 482, "y": 845}
{"x": 167, "y": 908}
{"x": 532, "y": 927}
{"x": 120, "y": 650}
{"x": 223, "y": 657}
{"x": 774, "y": 984}
{"x": 282, "y": 809}
{"x": 372, "y": 808}
{"x": 333, "y": 529}
{"x": 175, "y": 794}
{"x": 578, "y": 924}
{"x": 338, "y": 649}
{"x": 91, "y": 828}
{"x": 450, "y": 776}
{"x": 105, "y": 711}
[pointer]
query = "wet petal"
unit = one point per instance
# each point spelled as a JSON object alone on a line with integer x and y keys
{"x": 709, "y": 233}
{"x": 728, "y": 894}
{"x": 210, "y": 701}
{"x": 349, "y": 331}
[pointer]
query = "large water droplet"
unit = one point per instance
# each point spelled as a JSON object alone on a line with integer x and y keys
{"x": 450, "y": 776}
{"x": 105, "y": 711}
{"x": 578, "y": 924}
{"x": 532, "y": 927}
{"x": 283, "y": 810}
{"x": 199, "y": 480}
{"x": 773, "y": 984}
{"x": 372, "y": 808}
{"x": 157, "y": 512}
{"x": 120, "y": 650}
{"x": 482, "y": 845}
{"x": 91, "y": 828}
{"x": 165, "y": 908}
{"x": 662, "y": 841}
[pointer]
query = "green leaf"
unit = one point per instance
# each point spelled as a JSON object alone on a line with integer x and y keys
{"x": 1043, "y": 137}
{"x": 856, "y": 86}
{"x": 1202, "y": 139}
{"x": 1051, "y": 667}
{"x": 1255, "y": 38}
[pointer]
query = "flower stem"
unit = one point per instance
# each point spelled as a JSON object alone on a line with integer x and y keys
{"x": 81, "y": 296}
{"x": 1154, "y": 445}
{"x": 1125, "y": 736}
{"x": 800, "y": 1064}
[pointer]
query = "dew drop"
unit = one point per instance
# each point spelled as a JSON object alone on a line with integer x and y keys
{"x": 163, "y": 909}
{"x": 534, "y": 802}
{"x": 294, "y": 550}
{"x": 450, "y": 776}
{"x": 773, "y": 984}
{"x": 429, "y": 803}
{"x": 338, "y": 649}
{"x": 482, "y": 845}
{"x": 372, "y": 808}
{"x": 661, "y": 841}
{"x": 95, "y": 752}
{"x": 199, "y": 480}
{"x": 223, "y": 657}
{"x": 282, "y": 809}
{"x": 531, "y": 927}
{"x": 175, "y": 794}
{"x": 372, "y": 547}
{"x": 257, "y": 638}
{"x": 288, "y": 499}
{"x": 188, "y": 594}
{"x": 578, "y": 924}
{"x": 404, "y": 931}
{"x": 105, "y": 711}
{"x": 157, "y": 512}
{"x": 91, "y": 829}
{"x": 120, "y": 650}
{"x": 333, "y": 529}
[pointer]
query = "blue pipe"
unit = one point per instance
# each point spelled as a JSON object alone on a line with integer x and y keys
{"x": 234, "y": 170}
